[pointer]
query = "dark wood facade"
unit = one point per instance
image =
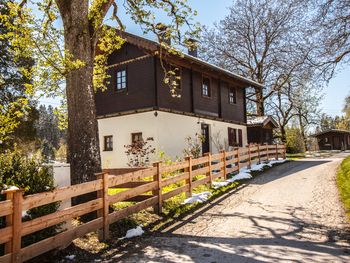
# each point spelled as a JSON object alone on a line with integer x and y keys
{"x": 333, "y": 140}
{"x": 147, "y": 90}
{"x": 260, "y": 131}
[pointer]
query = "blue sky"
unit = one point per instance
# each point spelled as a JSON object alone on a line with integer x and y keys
{"x": 211, "y": 11}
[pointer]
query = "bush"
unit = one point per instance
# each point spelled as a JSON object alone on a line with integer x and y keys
{"x": 294, "y": 142}
{"x": 30, "y": 175}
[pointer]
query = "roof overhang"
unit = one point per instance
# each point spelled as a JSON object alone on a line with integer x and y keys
{"x": 331, "y": 131}
{"x": 154, "y": 47}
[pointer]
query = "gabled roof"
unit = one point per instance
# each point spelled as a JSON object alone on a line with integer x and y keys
{"x": 155, "y": 46}
{"x": 253, "y": 121}
{"x": 331, "y": 131}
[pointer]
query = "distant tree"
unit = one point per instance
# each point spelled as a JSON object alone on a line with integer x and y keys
{"x": 331, "y": 28}
{"x": 264, "y": 40}
{"x": 48, "y": 132}
{"x": 283, "y": 105}
{"x": 346, "y": 108}
{"x": 306, "y": 108}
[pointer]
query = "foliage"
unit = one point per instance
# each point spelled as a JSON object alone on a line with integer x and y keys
{"x": 30, "y": 175}
{"x": 194, "y": 146}
{"x": 48, "y": 132}
{"x": 343, "y": 182}
{"x": 337, "y": 122}
{"x": 295, "y": 143}
{"x": 14, "y": 97}
{"x": 139, "y": 152}
{"x": 61, "y": 153}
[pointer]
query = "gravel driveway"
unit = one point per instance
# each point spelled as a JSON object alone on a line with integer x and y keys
{"x": 290, "y": 214}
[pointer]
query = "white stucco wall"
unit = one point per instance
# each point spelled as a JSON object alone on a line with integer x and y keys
{"x": 168, "y": 130}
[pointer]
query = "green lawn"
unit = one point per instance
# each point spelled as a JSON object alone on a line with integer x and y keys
{"x": 343, "y": 182}
{"x": 295, "y": 156}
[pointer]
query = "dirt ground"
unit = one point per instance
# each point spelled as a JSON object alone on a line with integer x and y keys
{"x": 291, "y": 213}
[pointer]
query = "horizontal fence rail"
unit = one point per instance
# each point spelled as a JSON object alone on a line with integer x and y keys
{"x": 137, "y": 190}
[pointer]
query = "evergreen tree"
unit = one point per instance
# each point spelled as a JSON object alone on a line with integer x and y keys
{"x": 48, "y": 132}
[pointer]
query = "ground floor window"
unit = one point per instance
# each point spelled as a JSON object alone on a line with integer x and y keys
{"x": 108, "y": 143}
{"x": 136, "y": 137}
{"x": 232, "y": 137}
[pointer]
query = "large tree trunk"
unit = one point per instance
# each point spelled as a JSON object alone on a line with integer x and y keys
{"x": 83, "y": 144}
{"x": 260, "y": 110}
{"x": 283, "y": 134}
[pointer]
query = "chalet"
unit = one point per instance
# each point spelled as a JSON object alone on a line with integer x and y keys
{"x": 260, "y": 129}
{"x": 138, "y": 105}
{"x": 333, "y": 139}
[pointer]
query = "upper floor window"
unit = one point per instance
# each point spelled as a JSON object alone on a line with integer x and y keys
{"x": 232, "y": 96}
{"x": 136, "y": 137}
{"x": 206, "y": 87}
{"x": 108, "y": 143}
{"x": 121, "y": 80}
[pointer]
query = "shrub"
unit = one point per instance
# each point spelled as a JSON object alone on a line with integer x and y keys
{"x": 28, "y": 174}
{"x": 294, "y": 142}
{"x": 194, "y": 146}
{"x": 139, "y": 153}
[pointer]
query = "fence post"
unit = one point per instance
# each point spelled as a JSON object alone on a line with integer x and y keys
{"x": 224, "y": 160}
{"x": 103, "y": 234}
{"x": 284, "y": 151}
{"x": 250, "y": 157}
{"x": 267, "y": 152}
{"x": 238, "y": 165}
{"x": 8, "y": 221}
{"x": 258, "y": 153}
{"x": 276, "y": 151}
{"x": 189, "y": 180}
{"x": 210, "y": 171}
{"x": 17, "y": 225}
{"x": 158, "y": 178}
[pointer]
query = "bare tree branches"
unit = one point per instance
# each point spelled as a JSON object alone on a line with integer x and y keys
{"x": 264, "y": 40}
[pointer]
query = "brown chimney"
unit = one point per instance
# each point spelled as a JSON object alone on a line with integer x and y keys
{"x": 193, "y": 47}
{"x": 162, "y": 33}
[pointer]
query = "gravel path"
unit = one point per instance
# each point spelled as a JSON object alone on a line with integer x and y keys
{"x": 290, "y": 214}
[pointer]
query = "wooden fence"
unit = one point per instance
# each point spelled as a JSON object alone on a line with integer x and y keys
{"x": 143, "y": 189}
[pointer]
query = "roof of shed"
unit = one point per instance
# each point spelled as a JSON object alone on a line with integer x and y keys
{"x": 331, "y": 131}
{"x": 261, "y": 121}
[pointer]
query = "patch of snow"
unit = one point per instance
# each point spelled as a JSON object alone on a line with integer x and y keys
{"x": 217, "y": 185}
{"x": 276, "y": 162}
{"x": 200, "y": 198}
{"x": 135, "y": 232}
{"x": 257, "y": 167}
{"x": 240, "y": 176}
{"x": 12, "y": 187}
{"x": 70, "y": 257}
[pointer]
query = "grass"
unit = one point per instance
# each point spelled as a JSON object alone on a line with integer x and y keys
{"x": 343, "y": 182}
{"x": 295, "y": 156}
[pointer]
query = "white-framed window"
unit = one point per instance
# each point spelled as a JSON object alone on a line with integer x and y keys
{"x": 121, "y": 80}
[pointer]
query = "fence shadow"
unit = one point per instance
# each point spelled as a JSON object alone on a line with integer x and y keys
{"x": 262, "y": 243}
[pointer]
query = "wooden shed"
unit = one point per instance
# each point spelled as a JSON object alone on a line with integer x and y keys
{"x": 333, "y": 139}
{"x": 260, "y": 129}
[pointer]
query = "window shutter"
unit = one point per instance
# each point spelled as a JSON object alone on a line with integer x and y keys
{"x": 240, "y": 138}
